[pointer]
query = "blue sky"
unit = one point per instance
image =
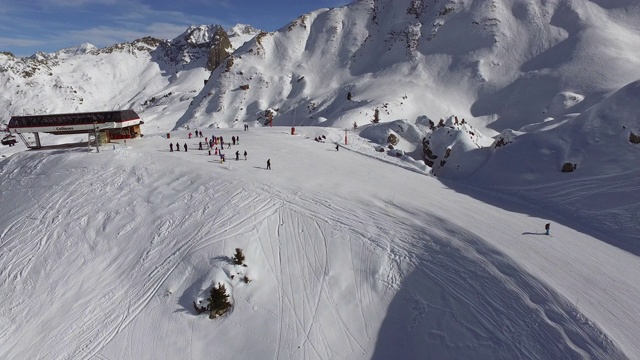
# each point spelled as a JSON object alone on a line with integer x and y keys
{"x": 27, "y": 26}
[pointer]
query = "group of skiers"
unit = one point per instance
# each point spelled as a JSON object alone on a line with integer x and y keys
{"x": 215, "y": 140}
{"x": 177, "y": 147}
{"x": 198, "y": 134}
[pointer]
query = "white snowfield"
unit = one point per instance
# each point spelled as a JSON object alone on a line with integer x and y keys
{"x": 103, "y": 254}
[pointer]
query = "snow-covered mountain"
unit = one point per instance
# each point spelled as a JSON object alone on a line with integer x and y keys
{"x": 147, "y": 74}
{"x": 499, "y": 64}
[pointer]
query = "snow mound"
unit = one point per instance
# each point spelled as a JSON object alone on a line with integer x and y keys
{"x": 453, "y": 148}
{"x": 601, "y": 135}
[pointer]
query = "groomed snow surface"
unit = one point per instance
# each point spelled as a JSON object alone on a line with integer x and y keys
{"x": 103, "y": 254}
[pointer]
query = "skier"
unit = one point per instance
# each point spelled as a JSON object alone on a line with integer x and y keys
{"x": 189, "y": 135}
{"x": 185, "y": 147}
{"x": 170, "y": 147}
{"x": 547, "y": 227}
{"x": 200, "y": 145}
{"x": 337, "y": 147}
{"x": 269, "y": 164}
{"x": 233, "y": 140}
{"x": 238, "y": 140}
{"x": 177, "y": 146}
{"x": 245, "y": 154}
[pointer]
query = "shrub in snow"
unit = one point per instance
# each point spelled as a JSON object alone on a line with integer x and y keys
{"x": 218, "y": 301}
{"x": 238, "y": 257}
{"x": 376, "y": 116}
{"x": 393, "y": 139}
{"x": 229, "y": 65}
{"x": 569, "y": 167}
{"x": 634, "y": 138}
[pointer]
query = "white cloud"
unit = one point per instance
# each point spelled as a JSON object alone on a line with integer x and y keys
{"x": 77, "y": 2}
{"x": 4, "y": 42}
{"x": 103, "y": 35}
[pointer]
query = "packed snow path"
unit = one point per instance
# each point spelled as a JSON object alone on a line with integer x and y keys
{"x": 102, "y": 256}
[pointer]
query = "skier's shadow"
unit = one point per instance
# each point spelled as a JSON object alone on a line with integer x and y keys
{"x": 533, "y": 233}
{"x": 259, "y": 167}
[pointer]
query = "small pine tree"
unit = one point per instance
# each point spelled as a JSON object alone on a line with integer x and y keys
{"x": 238, "y": 257}
{"x": 218, "y": 301}
{"x": 376, "y": 116}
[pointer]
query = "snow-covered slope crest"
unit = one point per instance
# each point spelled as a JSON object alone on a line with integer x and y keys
{"x": 596, "y": 142}
{"x": 241, "y": 33}
{"x": 500, "y": 63}
{"x": 348, "y": 258}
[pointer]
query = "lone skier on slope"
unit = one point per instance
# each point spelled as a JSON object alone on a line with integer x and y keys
{"x": 547, "y": 227}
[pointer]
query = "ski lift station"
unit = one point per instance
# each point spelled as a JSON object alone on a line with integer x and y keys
{"x": 101, "y": 127}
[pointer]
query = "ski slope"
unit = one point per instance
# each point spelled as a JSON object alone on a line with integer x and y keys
{"x": 350, "y": 257}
